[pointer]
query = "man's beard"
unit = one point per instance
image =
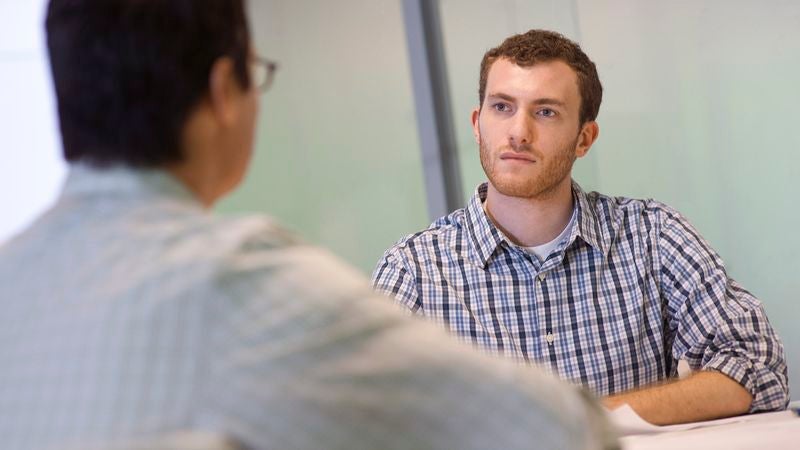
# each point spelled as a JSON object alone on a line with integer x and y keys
{"x": 542, "y": 184}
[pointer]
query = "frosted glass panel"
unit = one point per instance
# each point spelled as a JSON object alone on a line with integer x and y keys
{"x": 337, "y": 155}
{"x": 699, "y": 111}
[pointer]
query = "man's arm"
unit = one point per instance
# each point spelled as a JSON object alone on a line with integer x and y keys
{"x": 702, "y": 396}
{"x": 719, "y": 328}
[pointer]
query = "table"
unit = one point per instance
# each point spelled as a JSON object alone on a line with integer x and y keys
{"x": 772, "y": 431}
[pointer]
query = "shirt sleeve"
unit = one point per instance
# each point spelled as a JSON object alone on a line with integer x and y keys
{"x": 301, "y": 355}
{"x": 394, "y": 278}
{"x": 714, "y": 323}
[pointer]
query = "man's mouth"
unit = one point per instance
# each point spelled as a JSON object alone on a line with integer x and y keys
{"x": 515, "y": 156}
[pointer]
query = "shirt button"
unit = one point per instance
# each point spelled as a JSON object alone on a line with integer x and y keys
{"x": 542, "y": 276}
{"x": 550, "y": 338}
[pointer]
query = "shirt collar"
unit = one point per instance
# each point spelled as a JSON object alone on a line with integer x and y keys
{"x": 589, "y": 227}
{"x": 83, "y": 179}
{"x": 486, "y": 238}
{"x": 484, "y": 235}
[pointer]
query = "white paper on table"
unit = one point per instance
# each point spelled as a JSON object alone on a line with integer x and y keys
{"x": 628, "y": 422}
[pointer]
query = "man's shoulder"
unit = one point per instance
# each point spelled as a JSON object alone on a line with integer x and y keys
{"x": 618, "y": 209}
{"x": 247, "y": 233}
{"x": 262, "y": 258}
{"x": 443, "y": 230}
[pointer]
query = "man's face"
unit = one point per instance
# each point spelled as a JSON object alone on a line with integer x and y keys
{"x": 528, "y": 127}
{"x": 240, "y": 146}
{"x": 249, "y": 115}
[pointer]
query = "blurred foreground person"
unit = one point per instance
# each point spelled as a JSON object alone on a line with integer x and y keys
{"x": 132, "y": 317}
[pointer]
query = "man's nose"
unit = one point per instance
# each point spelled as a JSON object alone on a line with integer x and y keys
{"x": 521, "y": 131}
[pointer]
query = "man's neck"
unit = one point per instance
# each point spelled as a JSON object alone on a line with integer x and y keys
{"x": 200, "y": 169}
{"x": 195, "y": 183}
{"x": 531, "y": 221}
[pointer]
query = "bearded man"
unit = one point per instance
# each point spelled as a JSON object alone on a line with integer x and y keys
{"x": 607, "y": 292}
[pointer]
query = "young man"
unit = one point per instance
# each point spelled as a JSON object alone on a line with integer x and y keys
{"x": 134, "y": 318}
{"x": 607, "y": 292}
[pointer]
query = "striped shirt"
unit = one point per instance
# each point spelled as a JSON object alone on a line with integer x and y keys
{"x": 631, "y": 291}
{"x": 131, "y": 315}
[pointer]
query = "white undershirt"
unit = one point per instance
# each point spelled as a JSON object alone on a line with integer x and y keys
{"x": 544, "y": 250}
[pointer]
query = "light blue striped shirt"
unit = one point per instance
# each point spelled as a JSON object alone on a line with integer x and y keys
{"x": 130, "y": 312}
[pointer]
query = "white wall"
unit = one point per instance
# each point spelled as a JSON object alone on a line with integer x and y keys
{"x": 31, "y": 169}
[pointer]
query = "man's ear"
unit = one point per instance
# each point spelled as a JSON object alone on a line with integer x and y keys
{"x": 587, "y": 136}
{"x": 476, "y": 124}
{"x": 223, "y": 91}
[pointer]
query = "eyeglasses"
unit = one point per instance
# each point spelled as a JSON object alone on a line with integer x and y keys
{"x": 263, "y": 71}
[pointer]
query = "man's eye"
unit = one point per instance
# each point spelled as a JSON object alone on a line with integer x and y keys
{"x": 547, "y": 112}
{"x": 501, "y": 107}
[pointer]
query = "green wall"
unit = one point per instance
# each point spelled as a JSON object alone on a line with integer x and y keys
{"x": 337, "y": 156}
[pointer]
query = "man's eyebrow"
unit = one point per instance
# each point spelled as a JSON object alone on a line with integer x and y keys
{"x": 548, "y": 101}
{"x": 538, "y": 101}
{"x": 502, "y": 96}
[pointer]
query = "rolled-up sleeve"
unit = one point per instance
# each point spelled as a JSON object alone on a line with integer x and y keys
{"x": 713, "y": 322}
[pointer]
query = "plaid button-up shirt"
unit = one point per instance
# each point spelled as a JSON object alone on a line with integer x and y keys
{"x": 632, "y": 290}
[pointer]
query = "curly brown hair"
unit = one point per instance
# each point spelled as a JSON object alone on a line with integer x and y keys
{"x": 536, "y": 46}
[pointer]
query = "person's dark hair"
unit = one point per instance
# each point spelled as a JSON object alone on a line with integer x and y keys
{"x": 537, "y": 46}
{"x": 127, "y": 73}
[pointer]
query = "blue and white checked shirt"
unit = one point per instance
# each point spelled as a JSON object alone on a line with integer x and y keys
{"x": 129, "y": 314}
{"x": 632, "y": 290}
